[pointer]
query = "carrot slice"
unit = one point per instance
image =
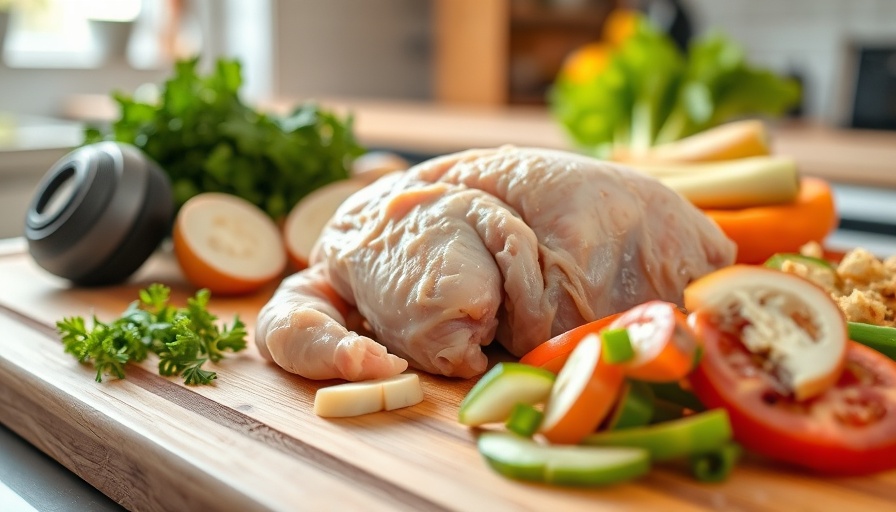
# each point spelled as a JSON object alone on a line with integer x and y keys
{"x": 762, "y": 231}
{"x": 583, "y": 394}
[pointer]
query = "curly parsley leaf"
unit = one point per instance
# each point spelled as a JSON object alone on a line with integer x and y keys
{"x": 194, "y": 374}
{"x": 183, "y": 338}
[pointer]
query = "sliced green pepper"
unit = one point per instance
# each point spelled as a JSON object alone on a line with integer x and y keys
{"x": 715, "y": 465}
{"x": 524, "y": 420}
{"x": 882, "y": 339}
{"x": 698, "y": 433}
{"x": 673, "y": 393}
{"x": 523, "y": 459}
{"x": 634, "y": 407}
{"x": 617, "y": 347}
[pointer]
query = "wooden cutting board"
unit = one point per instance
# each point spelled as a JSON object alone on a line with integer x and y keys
{"x": 252, "y": 442}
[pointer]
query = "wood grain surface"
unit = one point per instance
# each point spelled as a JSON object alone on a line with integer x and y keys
{"x": 252, "y": 442}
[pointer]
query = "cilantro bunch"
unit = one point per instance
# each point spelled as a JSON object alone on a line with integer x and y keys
{"x": 183, "y": 338}
{"x": 207, "y": 140}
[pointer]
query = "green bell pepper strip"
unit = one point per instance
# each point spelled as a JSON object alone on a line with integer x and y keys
{"x": 672, "y": 392}
{"x": 492, "y": 398}
{"x": 715, "y": 465}
{"x": 698, "y": 433}
{"x": 616, "y": 346}
{"x": 882, "y": 339}
{"x": 634, "y": 407}
{"x": 524, "y": 420}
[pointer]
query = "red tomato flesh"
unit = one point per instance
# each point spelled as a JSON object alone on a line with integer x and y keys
{"x": 850, "y": 429}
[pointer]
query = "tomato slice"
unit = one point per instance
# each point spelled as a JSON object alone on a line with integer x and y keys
{"x": 552, "y": 354}
{"x": 665, "y": 347}
{"x": 850, "y": 429}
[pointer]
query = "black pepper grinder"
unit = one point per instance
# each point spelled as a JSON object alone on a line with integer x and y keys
{"x": 99, "y": 213}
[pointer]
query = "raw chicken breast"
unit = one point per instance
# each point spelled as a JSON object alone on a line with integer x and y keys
{"x": 511, "y": 244}
{"x": 609, "y": 237}
{"x": 426, "y": 266}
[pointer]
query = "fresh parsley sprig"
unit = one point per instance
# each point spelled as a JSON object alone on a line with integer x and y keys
{"x": 207, "y": 139}
{"x": 183, "y": 338}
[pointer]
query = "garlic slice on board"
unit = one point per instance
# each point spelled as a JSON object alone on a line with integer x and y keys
{"x": 357, "y": 398}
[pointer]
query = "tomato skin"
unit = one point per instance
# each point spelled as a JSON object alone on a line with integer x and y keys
{"x": 665, "y": 346}
{"x": 807, "y": 434}
{"x": 552, "y": 354}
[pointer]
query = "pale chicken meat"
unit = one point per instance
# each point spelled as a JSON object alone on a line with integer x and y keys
{"x": 305, "y": 307}
{"x": 510, "y": 244}
{"x": 609, "y": 238}
{"x": 425, "y": 265}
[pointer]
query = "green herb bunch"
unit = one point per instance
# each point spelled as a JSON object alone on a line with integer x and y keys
{"x": 207, "y": 140}
{"x": 650, "y": 92}
{"x": 183, "y": 338}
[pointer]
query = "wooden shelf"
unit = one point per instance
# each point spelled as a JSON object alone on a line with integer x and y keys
{"x": 501, "y": 52}
{"x": 536, "y": 18}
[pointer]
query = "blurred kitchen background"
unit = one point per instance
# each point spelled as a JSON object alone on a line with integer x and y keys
{"x": 60, "y": 59}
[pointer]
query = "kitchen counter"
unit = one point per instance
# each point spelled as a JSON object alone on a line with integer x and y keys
{"x": 31, "y": 481}
{"x": 860, "y": 163}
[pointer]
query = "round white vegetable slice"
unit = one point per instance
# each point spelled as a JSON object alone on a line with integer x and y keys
{"x": 788, "y": 321}
{"x": 227, "y": 244}
{"x": 307, "y": 219}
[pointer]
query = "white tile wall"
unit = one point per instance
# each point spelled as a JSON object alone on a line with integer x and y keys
{"x": 811, "y": 37}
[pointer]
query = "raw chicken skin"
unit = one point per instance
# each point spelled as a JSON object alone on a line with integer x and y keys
{"x": 425, "y": 265}
{"x": 609, "y": 237}
{"x": 511, "y": 244}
